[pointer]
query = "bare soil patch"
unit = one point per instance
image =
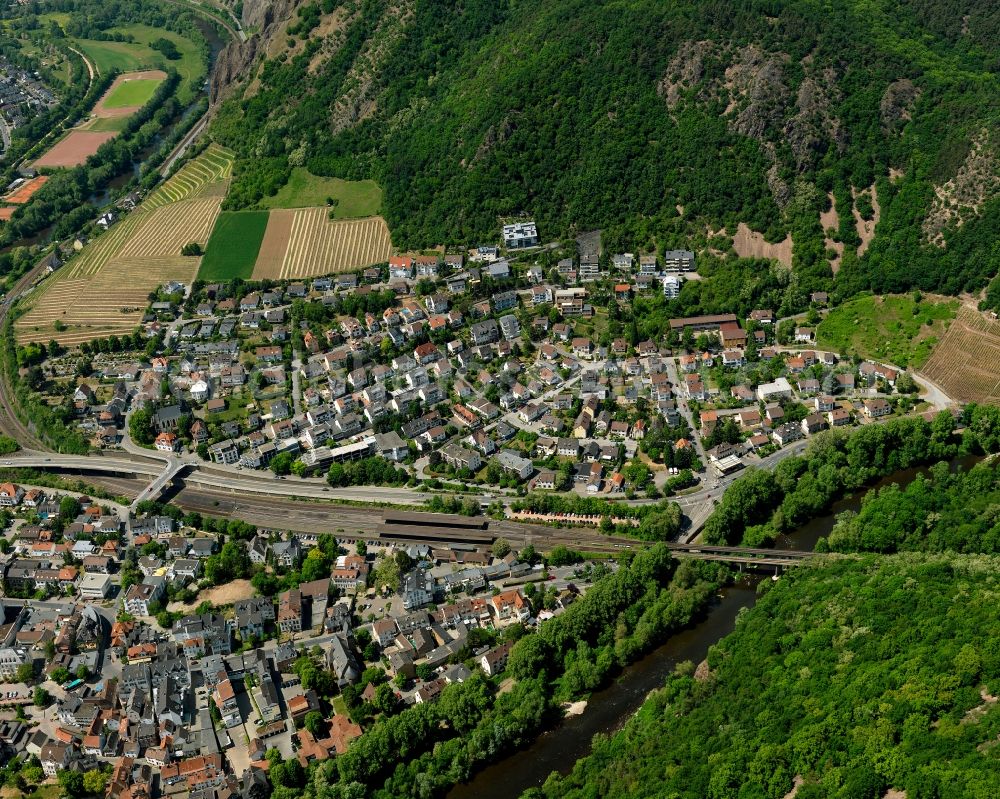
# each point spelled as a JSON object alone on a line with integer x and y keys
{"x": 220, "y": 595}
{"x": 797, "y": 783}
{"x": 751, "y": 244}
{"x": 866, "y": 227}
{"x": 275, "y": 244}
{"x": 830, "y": 219}
{"x": 75, "y": 148}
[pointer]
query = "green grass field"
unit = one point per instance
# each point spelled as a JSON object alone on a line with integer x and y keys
{"x": 355, "y": 198}
{"x": 132, "y": 93}
{"x": 234, "y": 244}
{"x": 893, "y": 328}
{"x": 115, "y": 124}
{"x": 137, "y": 55}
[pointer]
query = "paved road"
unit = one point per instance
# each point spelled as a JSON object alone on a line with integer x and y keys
{"x": 232, "y": 27}
{"x": 5, "y": 133}
{"x": 932, "y": 392}
{"x": 685, "y": 410}
{"x": 91, "y": 69}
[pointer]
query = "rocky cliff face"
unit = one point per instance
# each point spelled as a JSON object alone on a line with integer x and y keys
{"x": 237, "y": 60}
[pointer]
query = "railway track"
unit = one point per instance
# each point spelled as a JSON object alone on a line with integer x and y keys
{"x": 345, "y": 520}
{"x": 9, "y": 421}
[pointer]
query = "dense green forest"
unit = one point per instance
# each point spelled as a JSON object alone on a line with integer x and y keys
{"x": 856, "y": 675}
{"x": 944, "y": 511}
{"x": 612, "y": 114}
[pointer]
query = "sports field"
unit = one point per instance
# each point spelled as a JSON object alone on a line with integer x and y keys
{"x": 129, "y": 93}
{"x": 354, "y": 198}
{"x": 306, "y": 243}
{"x": 74, "y": 148}
{"x": 23, "y": 192}
{"x": 106, "y": 124}
{"x": 234, "y": 245}
{"x": 124, "y": 97}
{"x": 134, "y": 93}
{"x": 104, "y": 289}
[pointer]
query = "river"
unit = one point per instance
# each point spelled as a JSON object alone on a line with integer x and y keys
{"x": 608, "y": 709}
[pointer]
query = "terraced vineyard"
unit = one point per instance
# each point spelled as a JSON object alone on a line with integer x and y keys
{"x": 304, "y": 243}
{"x": 168, "y": 228}
{"x": 966, "y": 364}
{"x": 206, "y": 176}
{"x": 103, "y": 290}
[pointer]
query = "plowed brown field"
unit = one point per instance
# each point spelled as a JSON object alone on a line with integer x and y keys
{"x": 304, "y": 242}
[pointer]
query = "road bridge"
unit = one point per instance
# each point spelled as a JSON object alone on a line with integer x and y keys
{"x": 84, "y": 463}
{"x": 742, "y": 556}
{"x": 154, "y": 489}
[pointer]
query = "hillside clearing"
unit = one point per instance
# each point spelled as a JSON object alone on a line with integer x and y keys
{"x": 893, "y": 329}
{"x": 354, "y": 198}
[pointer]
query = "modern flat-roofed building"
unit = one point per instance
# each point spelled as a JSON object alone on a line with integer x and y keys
{"x": 520, "y": 234}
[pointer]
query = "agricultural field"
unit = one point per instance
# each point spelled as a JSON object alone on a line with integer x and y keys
{"x": 205, "y": 176}
{"x": 104, "y": 289}
{"x": 354, "y": 198}
{"x": 306, "y": 243}
{"x": 966, "y": 363}
{"x": 892, "y": 329}
{"x": 234, "y": 245}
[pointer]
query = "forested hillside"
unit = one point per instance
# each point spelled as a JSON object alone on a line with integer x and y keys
{"x": 850, "y": 678}
{"x": 654, "y": 121}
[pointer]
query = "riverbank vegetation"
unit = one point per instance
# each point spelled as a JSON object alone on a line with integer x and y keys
{"x": 942, "y": 511}
{"x": 851, "y": 676}
{"x": 51, "y": 424}
{"x": 763, "y": 504}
